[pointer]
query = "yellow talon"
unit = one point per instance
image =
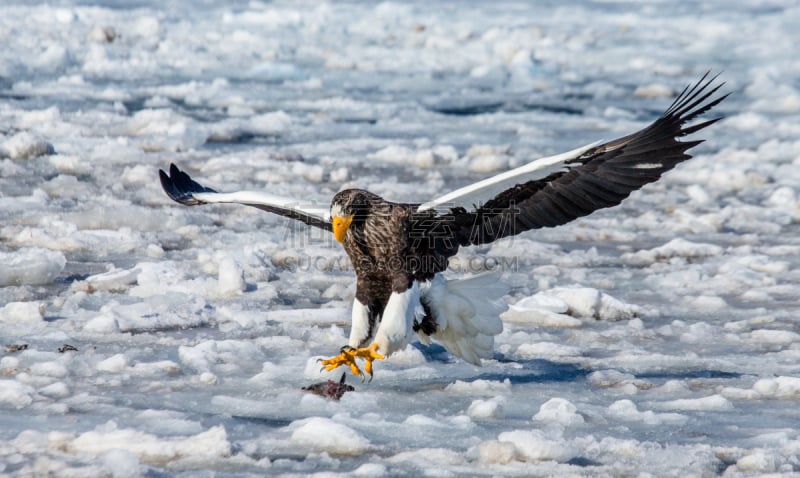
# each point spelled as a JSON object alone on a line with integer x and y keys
{"x": 356, "y": 371}
{"x": 368, "y": 368}
{"x": 348, "y": 357}
{"x": 369, "y": 354}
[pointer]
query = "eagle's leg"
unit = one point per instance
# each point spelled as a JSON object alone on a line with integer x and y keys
{"x": 348, "y": 357}
{"x": 359, "y": 334}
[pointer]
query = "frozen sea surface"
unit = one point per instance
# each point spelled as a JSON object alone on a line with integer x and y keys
{"x": 658, "y": 338}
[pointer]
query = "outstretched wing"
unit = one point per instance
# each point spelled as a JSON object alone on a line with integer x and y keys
{"x": 553, "y": 191}
{"x": 183, "y": 189}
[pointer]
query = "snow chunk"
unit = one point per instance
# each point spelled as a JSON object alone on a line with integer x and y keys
{"x": 778, "y": 387}
{"x": 231, "y": 278}
{"x": 707, "y": 303}
{"x": 25, "y": 145}
{"x": 166, "y": 130}
{"x": 159, "y": 367}
{"x": 408, "y": 356}
{"x": 102, "y": 324}
{"x": 14, "y": 394}
{"x": 783, "y": 197}
{"x": 547, "y": 349}
{"x": 542, "y": 301}
{"x": 488, "y": 163}
{"x": 49, "y": 369}
{"x": 148, "y": 29}
{"x": 559, "y": 410}
{"x": 479, "y": 387}
{"x": 627, "y": 410}
{"x": 276, "y": 71}
{"x": 121, "y": 463}
{"x": 157, "y": 313}
{"x": 556, "y": 305}
{"x": 135, "y": 175}
{"x": 496, "y": 452}
{"x": 313, "y": 173}
{"x": 491, "y": 408}
{"x": 115, "y": 280}
{"x": 757, "y": 461}
{"x": 207, "y": 378}
{"x": 115, "y": 363}
{"x": 774, "y": 337}
{"x": 612, "y": 378}
{"x": 323, "y": 434}
{"x": 16, "y": 312}
{"x": 30, "y": 266}
{"x": 675, "y": 248}
{"x": 8, "y": 364}
{"x": 370, "y": 470}
{"x": 710, "y": 403}
{"x": 477, "y": 150}
{"x": 542, "y": 310}
{"x": 210, "y": 353}
{"x": 401, "y": 155}
{"x": 271, "y": 123}
{"x": 55, "y": 390}
{"x": 591, "y": 303}
{"x": 168, "y": 422}
{"x": 534, "y": 445}
{"x": 420, "y": 421}
{"x": 429, "y": 457}
{"x": 149, "y": 448}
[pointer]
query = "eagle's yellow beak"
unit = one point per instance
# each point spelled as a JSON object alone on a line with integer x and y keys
{"x": 340, "y": 226}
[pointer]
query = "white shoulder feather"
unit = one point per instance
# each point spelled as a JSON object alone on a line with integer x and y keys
{"x": 478, "y": 193}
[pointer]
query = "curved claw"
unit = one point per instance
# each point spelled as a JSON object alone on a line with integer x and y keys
{"x": 357, "y": 371}
{"x": 368, "y": 369}
{"x": 369, "y": 354}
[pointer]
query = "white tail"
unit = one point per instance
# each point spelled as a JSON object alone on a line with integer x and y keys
{"x": 467, "y": 313}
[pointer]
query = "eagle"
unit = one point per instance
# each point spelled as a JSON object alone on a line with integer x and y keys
{"x": 399, "y": 250}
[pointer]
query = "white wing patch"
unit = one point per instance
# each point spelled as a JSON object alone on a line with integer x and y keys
{"x": 321, "y": 212}
{"x": 648, "y": 166}
{"x": 482, "y": 191}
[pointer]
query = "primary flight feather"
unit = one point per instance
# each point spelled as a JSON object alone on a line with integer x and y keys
{"x": 398, "y": 250}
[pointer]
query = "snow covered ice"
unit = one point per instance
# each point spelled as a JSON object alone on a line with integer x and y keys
{"x": 658, "y": 337}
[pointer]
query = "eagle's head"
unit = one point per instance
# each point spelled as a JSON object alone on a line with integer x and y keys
{"x": 351, "y": 208}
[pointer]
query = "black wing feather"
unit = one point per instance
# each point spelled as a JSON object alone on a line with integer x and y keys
{"x": 602, "y": 177}
{"x": 180, "y": 187}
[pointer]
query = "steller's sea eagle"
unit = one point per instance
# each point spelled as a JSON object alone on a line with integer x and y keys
{"x": 399, "y": 250}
